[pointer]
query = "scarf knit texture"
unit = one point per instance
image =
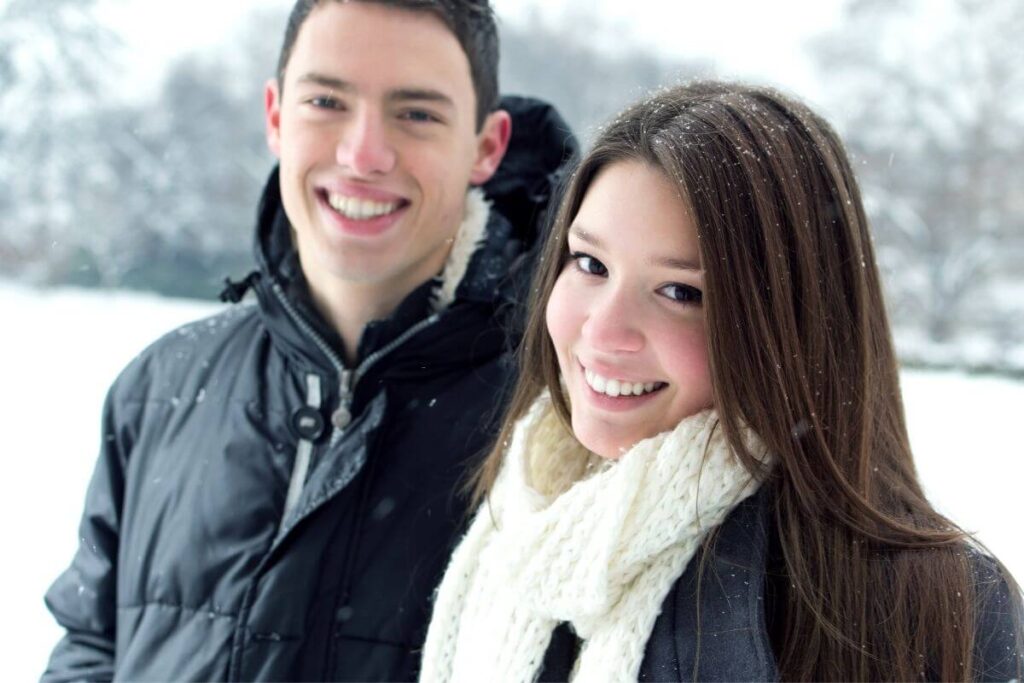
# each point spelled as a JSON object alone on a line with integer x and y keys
{"x": 567, "y": 536}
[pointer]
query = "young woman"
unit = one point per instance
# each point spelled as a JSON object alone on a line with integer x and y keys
{"x": 705, "y": 471}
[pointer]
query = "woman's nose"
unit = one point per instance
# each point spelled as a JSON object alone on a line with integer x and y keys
{"x": 613, "y": 325}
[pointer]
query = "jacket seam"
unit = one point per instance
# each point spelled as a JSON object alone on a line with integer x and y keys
{"x": 176, "y": 606}
{"x": 169, "y": 399}
{"x": 378, "y": 641}
{"x": 362, "y": 502}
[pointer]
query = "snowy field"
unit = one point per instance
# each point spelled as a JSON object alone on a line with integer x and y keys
{"x": 63, "y": 348}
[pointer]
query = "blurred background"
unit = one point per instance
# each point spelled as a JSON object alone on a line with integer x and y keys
{"x": 132, "y": 156}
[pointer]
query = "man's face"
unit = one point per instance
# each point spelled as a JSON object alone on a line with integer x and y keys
{"x": 376, "y": 134}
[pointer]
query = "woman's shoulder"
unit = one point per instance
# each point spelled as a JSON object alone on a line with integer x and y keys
{"x": 999, "y": 620}
{"x": 712, "y": 623}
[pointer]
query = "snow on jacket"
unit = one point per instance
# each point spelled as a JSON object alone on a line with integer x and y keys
{"x": 260, "y": 511}
{"x": 717, "y": 626}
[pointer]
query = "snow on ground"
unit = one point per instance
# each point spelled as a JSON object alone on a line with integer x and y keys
{"x": 62, "y": 349}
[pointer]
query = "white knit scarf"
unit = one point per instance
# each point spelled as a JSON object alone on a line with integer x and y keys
{"x": 568, "y": 536}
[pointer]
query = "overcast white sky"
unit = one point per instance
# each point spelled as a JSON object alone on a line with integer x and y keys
{"x": 739, "y": 37}
{"x": 744, "y": 38}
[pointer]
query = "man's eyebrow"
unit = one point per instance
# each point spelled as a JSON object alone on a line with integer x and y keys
{"x": 421, "y": 95}
{"x": 326, "y": 81}
{"x": 397, "y": 95}
{"x": 665, "y": 261}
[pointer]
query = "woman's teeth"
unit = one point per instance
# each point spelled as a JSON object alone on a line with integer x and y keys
{"x": 360, "y": 209}
{"x": 615, "y": 387}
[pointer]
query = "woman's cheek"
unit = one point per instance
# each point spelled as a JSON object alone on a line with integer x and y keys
{"x": 686, "y": 358}
{"x": 562, "y": 317}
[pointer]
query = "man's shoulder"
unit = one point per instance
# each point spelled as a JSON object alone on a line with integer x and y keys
{"x": 166, "y": 364}
{"x": 212, "y": 330}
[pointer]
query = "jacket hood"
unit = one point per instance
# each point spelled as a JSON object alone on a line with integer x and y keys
{"x": 540, "y": 154}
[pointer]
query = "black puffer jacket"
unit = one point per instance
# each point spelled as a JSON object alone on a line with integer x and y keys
{"x": 189, "y": 568}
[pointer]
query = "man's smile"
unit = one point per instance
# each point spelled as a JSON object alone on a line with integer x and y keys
{"x": 359, "y": 209}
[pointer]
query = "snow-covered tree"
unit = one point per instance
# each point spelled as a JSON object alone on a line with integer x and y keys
{"x": 54, "y": 59}
{"x": 154, "y": 194}
{"x": 201, "y": 164}
{"x": 582, "y": 66}
{"x": 935, "y": 119}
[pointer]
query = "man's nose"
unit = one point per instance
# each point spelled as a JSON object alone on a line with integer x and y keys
{"x": 364, "y": 147}
{"x": 612, "y": 324}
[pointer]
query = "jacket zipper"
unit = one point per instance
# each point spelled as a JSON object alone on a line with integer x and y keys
{"x": 325, "y": 348}
{"x": 341, "y": 418}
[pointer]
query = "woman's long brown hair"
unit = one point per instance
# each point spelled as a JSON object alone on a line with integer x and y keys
{"x": 880, "y": 585}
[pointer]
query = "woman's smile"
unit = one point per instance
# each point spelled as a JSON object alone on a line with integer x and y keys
{"x": 618, "y": 395}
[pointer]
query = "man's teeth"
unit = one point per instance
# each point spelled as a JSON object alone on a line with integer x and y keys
{"x": 360, "y": 209}
{"x": 615, "y": 387}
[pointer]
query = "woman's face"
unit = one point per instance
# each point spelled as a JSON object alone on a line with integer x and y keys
{"x": 626, "y": 316}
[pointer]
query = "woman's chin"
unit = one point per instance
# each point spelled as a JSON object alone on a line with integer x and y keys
{"x": 600, "y": 442}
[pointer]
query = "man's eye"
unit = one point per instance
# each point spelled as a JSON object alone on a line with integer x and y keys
{"x": 684, "y": 294}
{"x": 419, "y": 116}
{"x": 588, "y": 264}
{"x": 326, "y": 102}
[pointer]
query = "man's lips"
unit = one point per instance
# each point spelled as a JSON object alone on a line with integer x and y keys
{"x": 361, "y": 208}
{"x": 360, "y": 191}
{"x": 361, "y": 219}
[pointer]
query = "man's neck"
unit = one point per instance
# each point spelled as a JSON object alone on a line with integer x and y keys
{"x": 350, "y": 305}
{"x": 350, "y": 308}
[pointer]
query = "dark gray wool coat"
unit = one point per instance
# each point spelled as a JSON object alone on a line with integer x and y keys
{"x": 189, "y": 568}
{"x": 719, "y": 628}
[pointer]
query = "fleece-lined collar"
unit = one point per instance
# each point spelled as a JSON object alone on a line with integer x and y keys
{"x": 474, "y": 271}
{"x": 467, "y": 242}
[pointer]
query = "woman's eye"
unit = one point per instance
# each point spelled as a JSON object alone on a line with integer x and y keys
{"x": 589, "y": 264}
{"x": 683, "y": 293}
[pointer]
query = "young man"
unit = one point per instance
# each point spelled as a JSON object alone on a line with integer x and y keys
{"x": 278, "y": 488}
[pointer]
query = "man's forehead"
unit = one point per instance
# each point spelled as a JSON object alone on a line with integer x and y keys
{"x": 360, "y": 43}
{"x": 386, "y": 20}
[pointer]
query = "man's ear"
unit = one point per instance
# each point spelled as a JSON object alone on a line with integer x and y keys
{"x": 492, "y": 143}
{"x": 272, "y": 116}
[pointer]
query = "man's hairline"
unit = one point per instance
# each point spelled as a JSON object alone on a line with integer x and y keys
{"x": 281, "y": 74}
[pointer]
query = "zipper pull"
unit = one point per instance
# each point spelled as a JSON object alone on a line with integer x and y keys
{"x": 342, "y": 417}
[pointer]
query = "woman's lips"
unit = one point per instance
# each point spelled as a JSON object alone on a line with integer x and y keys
{"x": 622, "y": 401}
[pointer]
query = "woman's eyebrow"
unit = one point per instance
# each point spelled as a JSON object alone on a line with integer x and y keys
{"x": 661, "y": 261}
{"x": 581, "y": 234}
{"x": 676, "y": 263}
